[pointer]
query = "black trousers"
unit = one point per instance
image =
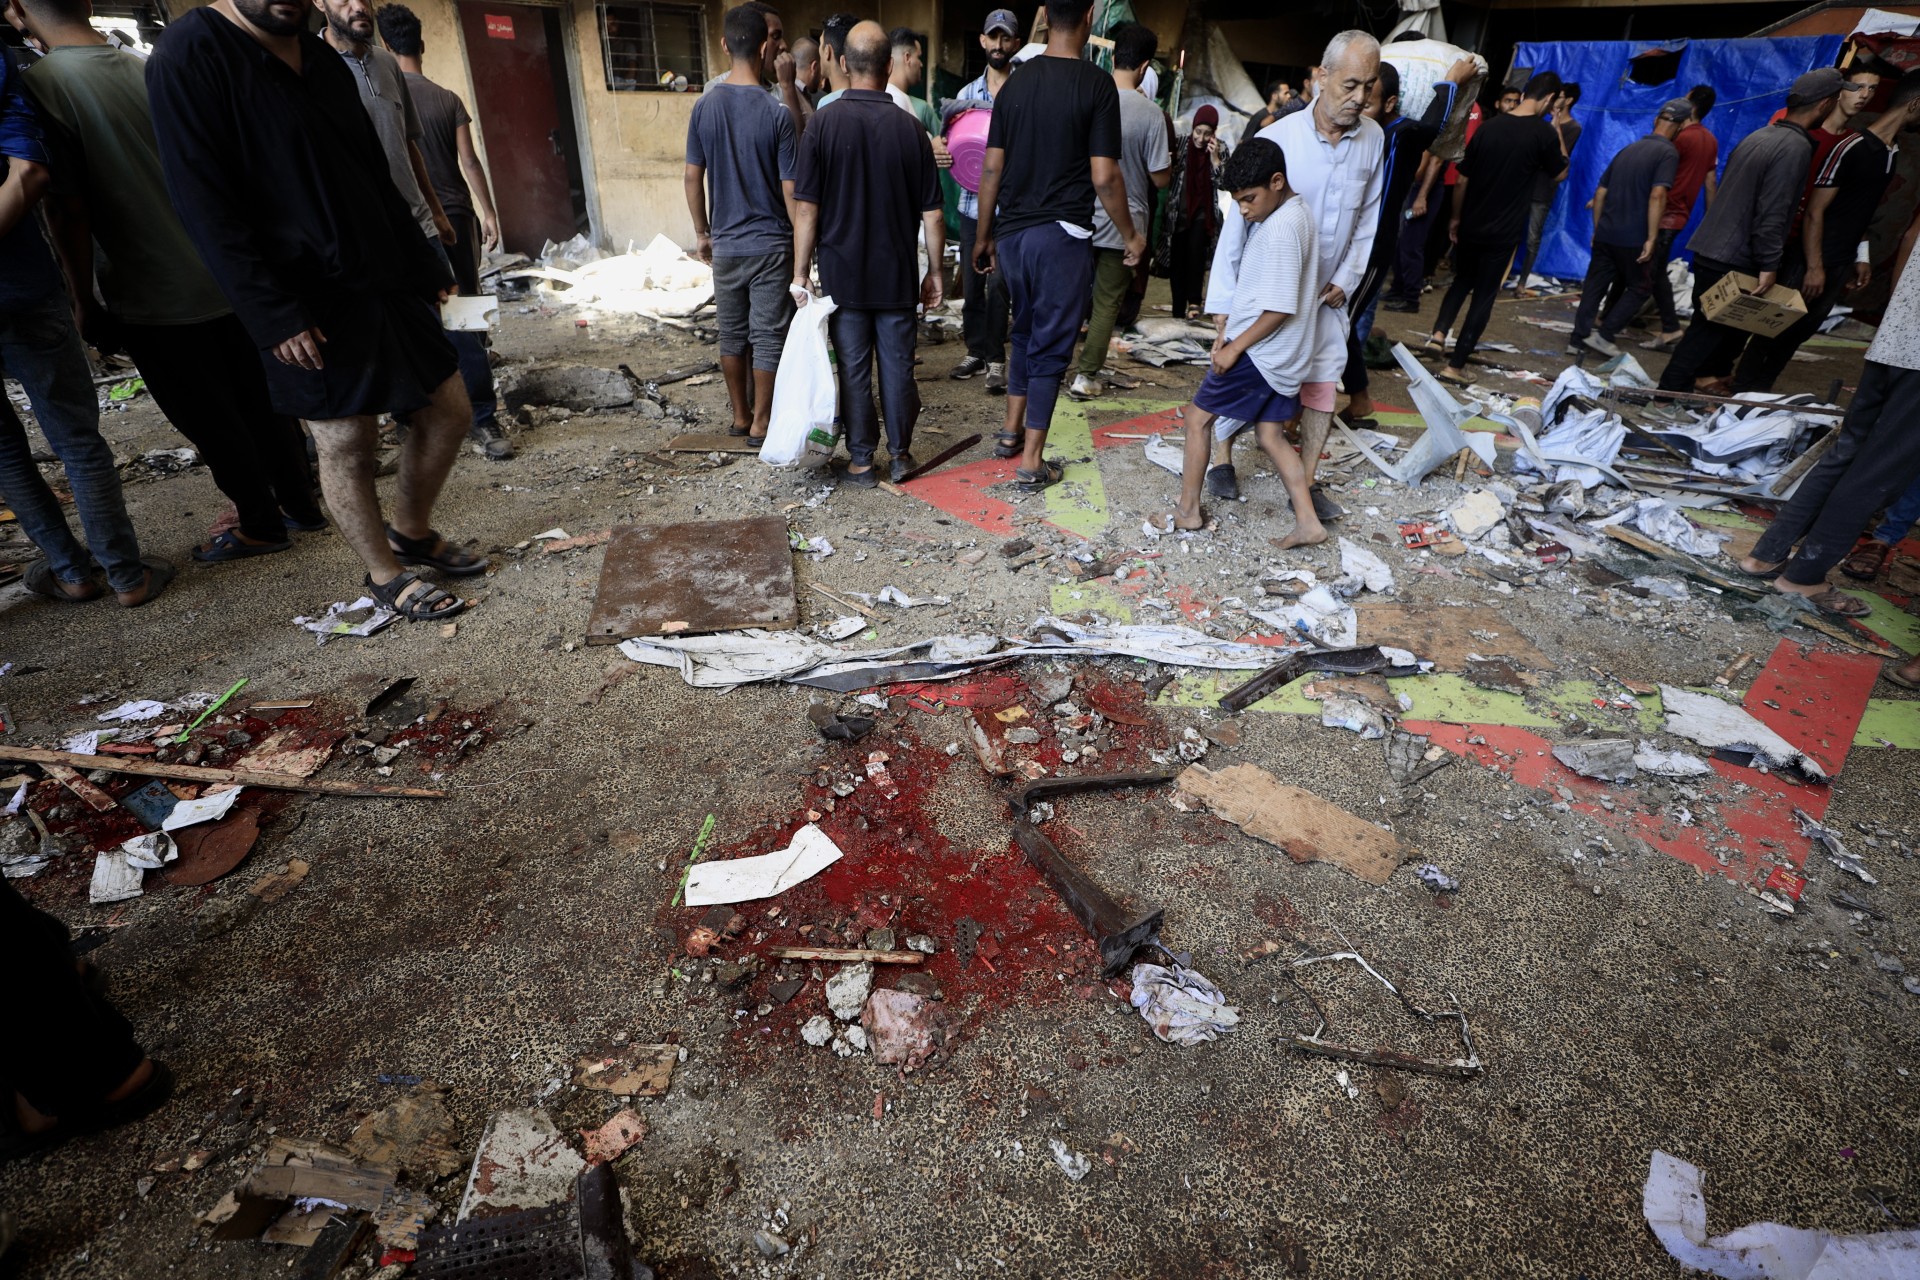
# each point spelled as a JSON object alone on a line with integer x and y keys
{"x": 1187, "y": 273}
{"x": 864, "y": 338}
{"x": 1354, "y": 378}
{"x": 1766, "y": 359}
{"x": 64, "y": 1050}
{"x": 1662, "y": 282}
{"x": 1612, "y": 265}
{"x": 985, "y": 311}
{"x": 1477, "y": 269}
{"x": 207, "y": 379}
{"x": 1875, "y": 459}
{"x": 1708, "y": 350}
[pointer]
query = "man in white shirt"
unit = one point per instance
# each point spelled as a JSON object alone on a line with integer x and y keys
{"x": 1334, "y": 155}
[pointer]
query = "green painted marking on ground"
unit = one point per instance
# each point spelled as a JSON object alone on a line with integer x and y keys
{"x": 1575, "y": 697}
{"x": 1203, "y": 689}
{"x": 1414, "y": 420}
{"x": 1452, "y": 698}
{"x": 1850, "y": 344}
{"x": 1132, "y": 406}
{"x": 1078, "y": 503}
{"x": 1900, "y": 628}
{"x": 1726, "y": 519}
{"x": 1887, "y": 720}
{"x": 1089, "y": 597}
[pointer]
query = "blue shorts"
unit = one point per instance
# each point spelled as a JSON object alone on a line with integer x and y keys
{"x": 1243, "y": 392}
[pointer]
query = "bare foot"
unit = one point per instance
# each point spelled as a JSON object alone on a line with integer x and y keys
{"x": 1192, "y": 520}
{"x": 1795, "y": 588}
{"x": 1759, "y": 567}
{"x": 35, "y": 1121}
{"x": 1305, "y": 534}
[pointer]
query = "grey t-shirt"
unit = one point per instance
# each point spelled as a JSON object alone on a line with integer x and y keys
{"x": 441, "y": 115}
{"x": 1143, "y": 151}
{"x": 744, "y": 140}
{"x": 383, "y": 92}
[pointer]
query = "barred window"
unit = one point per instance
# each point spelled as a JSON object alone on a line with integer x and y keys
{"x": 653, "y": 46}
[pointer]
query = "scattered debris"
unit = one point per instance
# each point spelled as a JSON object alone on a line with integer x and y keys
{"x": 1705, "y": 719}
{"x": 747, "y": 879}
{"x": 1608, "y": 759}
{"x": 1436, "y": 879}
{"x": 1836, "y": 850}
{"x": 414, "y": 1136}
{"x": 629, "y": 1071}
{"x": 523, "y": 1162}
{"x": 835, "y": 727}
{"x": 1181, "y": 1005}
{"x": 1072, "y": 1163}
{"x": 847, "y": 991}
{"x": 1451, "y": 1069}
{"x": 614, "y": 1138}
{"x": 337, "y": 620}
{"x": 904, "y": 1029}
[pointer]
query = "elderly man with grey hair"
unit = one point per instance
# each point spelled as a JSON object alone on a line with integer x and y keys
{"x": 1334, "y": 155}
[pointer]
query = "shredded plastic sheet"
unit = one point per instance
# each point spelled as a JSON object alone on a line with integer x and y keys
{"x": 1667, "y": 525}
{"x": 1317, "y": 617}
{"x": 1702, "y": 718}
{"x": 744, "y": 657}
{"x": 748, "y": 879}
{"x": 1675, "y": 1205}
{"x": 1370, "y": 569}
{"x": 1181, "y": 1005}
{"x": 335, "y": 621}
{"x": 1581, "y": 444}
{"x": 1751, "y": 442}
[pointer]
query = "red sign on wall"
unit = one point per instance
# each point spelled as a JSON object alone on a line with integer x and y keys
{"x": 500, "y": 26}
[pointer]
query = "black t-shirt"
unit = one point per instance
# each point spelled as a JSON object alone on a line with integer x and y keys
{"x": 1500, "y": 165}
{"x": 1544, "y": 184}
{"x": 441, "y": 114}
{"x": 1861, "y": 166}
{"x": 1050, "y": 118}
{"x": 869, "y": 166}
{"x": 1631, "y": 176}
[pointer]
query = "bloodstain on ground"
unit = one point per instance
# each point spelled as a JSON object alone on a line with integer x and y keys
{"x": 901, "y": 871}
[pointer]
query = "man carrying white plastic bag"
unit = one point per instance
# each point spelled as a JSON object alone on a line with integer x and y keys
{"x": 865, "y": 185}
{"x": 804, "y": 425}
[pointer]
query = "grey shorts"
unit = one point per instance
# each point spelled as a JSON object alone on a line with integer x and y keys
{"x": 752, "y": 306}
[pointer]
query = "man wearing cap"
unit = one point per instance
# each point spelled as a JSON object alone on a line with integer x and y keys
{"x": 1627, "y": 206}
{"x": 984, "y": 305}
{"x": 1745, "y": 229}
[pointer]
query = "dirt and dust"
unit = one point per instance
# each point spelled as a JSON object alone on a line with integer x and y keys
{"x": 1622, "y": 1000}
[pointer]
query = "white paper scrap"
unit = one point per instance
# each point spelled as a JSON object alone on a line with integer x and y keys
{"x": 747, "y": 879}
{"x": 115, "y": 879}
{"x": 143, "y": 709}
{"x": 207, "y": 808}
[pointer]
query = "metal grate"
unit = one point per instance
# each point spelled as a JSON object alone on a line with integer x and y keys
{"x": 653, "y": 46}
{"x": 537, "y": 1244}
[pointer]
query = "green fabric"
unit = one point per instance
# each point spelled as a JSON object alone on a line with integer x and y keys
{"x": 100, "y": 139}
{"x": 928, "y": 117}
{"x": 1111, "y": 276}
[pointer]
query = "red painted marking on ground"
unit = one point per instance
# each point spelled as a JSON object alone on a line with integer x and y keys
{"x": 1821, "y": 696}
{"x": 1165, "y": 422}
{"x": 961, "y": 492}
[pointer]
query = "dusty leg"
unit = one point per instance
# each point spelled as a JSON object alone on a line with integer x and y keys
{"x": 1315, "y": 426}
{"x": 432, "y": 444}
{"x": 1222, "y": 451}
{"x": 734, "y": 370}
{"x": 762, "y": 402}
{"x": 1193, "y": 470}
{"x": 1307, "y": 529}
{"x": 346, "y": 447}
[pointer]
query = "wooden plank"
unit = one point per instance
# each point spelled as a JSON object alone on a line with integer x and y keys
{"x": 852, "y": 954}
{"x": 54, "y": 760}
{"x": 855, "y": 605}
{"x": 64, "y": 772}
{"x": 693, "y": 578}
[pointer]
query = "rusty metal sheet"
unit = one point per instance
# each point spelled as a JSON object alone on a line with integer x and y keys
{"x": 704, "y": 575}
{"x": 210, "y": 851}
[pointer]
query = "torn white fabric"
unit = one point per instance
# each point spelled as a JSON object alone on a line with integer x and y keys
{"x": 1675, "y": 1205}
{"x": 744, "y": 657}
{"x": 115, "y": 878}
{"x": 1181, "y": 1005}
{"x": 747, "y": 879}
{"x": 1704, "y": 719}
{"x": 207, "y": 808}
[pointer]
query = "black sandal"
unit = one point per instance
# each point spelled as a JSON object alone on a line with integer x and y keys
{"x": 1008, "y": 444}
{"x": 229, "y": 544}
{"x": 416, "y": 606}
{"x": 435, "y": 552}
{"x": 16, "y": 1142}
{"x": 1034, "y": 481}
{"x": 39, "y": 579}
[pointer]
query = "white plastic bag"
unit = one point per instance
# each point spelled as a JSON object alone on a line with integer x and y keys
{"x": 806, "y": 394}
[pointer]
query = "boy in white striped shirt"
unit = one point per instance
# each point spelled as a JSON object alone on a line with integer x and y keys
{"x": 1263, "y": 344}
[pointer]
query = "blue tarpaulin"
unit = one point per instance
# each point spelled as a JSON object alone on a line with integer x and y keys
{"x": 1750, "y": 78}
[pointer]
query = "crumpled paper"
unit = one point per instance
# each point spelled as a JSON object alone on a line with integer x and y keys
{"x": 117, "y": 873}
{"x": 336, "y": 623}
{"x": 1181, "y": 1005}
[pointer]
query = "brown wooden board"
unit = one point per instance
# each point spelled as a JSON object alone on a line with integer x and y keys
{"x": 684, "y": 579}
{"x": 1443, "y": 634}
{"x": 713, "y": 442}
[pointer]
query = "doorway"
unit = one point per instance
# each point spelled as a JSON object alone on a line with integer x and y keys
{"x": 517, "y": 57}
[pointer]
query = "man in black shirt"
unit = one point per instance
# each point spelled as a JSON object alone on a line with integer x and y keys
{"x": 1830, "y": 256}
{"x": 281, "y": 182}
{"x": 1053, "y": 146}
{"x": 866, "y": 183}
{"x": 1627, "y": 208}
{"x": 1490, "y": 203}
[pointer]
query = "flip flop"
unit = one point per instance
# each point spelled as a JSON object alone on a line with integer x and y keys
{"x": 1362, "y": 424}
{"x": 1768, "y": 573}
{"x": 739, "y": 431}
{"x": 1892, "y": 673}
{"x": 39, "y": 579}
{"x": 159, "y": 573}
{"x": 435, "y": 552}
{"x": 316, "y": 525}
{"x": 1462, "y": 379}
{"x": 229, "y": 545}
{"x": 1865, "y": 561}
{"x": 1838, "y": 604}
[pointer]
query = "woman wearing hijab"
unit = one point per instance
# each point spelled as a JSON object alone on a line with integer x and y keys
{"x": 1192, "y": 217}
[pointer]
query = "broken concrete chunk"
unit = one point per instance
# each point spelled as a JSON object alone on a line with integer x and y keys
{"x": 847, "y": 990}
{"x": 632, "y": 1070}
{"x": 1306, "y": 827}
{"x": 1476, "y": 514}
{"x": 817, "y": 1030}
{"x": 1608, "y": 759}
{"x": 905, "y": 1029}
{"x": 577, "y": 387}
{"x": 523, "y": 1162}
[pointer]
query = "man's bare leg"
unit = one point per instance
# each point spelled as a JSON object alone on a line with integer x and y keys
{"x": 1193, "y": 469}
{"x": 734, "y": 370}
{"x": 432, "y": 443}
{"x": 346, "y": 448}
{"x": 1307, "y": 529}
{"x": 1222, "y": 452}
{"x": 762, "y": 402}
{"x": 1315, "y": 426}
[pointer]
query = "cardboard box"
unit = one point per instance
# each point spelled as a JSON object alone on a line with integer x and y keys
{"x": 1731, "y": 302}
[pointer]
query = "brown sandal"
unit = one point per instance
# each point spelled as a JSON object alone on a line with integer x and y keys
{"x": 1838, "y": 604}
{"x": 1866, "y": 560}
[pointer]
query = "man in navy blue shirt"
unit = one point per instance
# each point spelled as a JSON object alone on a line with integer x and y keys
{"x": 40, "y": 346}
{"x": 867, "y": 185}
{"x": 1627, "y": 208}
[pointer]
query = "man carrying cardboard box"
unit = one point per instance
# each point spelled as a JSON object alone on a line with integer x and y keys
{"x": 1745, "y": 229}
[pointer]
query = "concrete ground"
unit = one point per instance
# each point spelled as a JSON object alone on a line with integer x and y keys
{"x": 1622, "y": 1000}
